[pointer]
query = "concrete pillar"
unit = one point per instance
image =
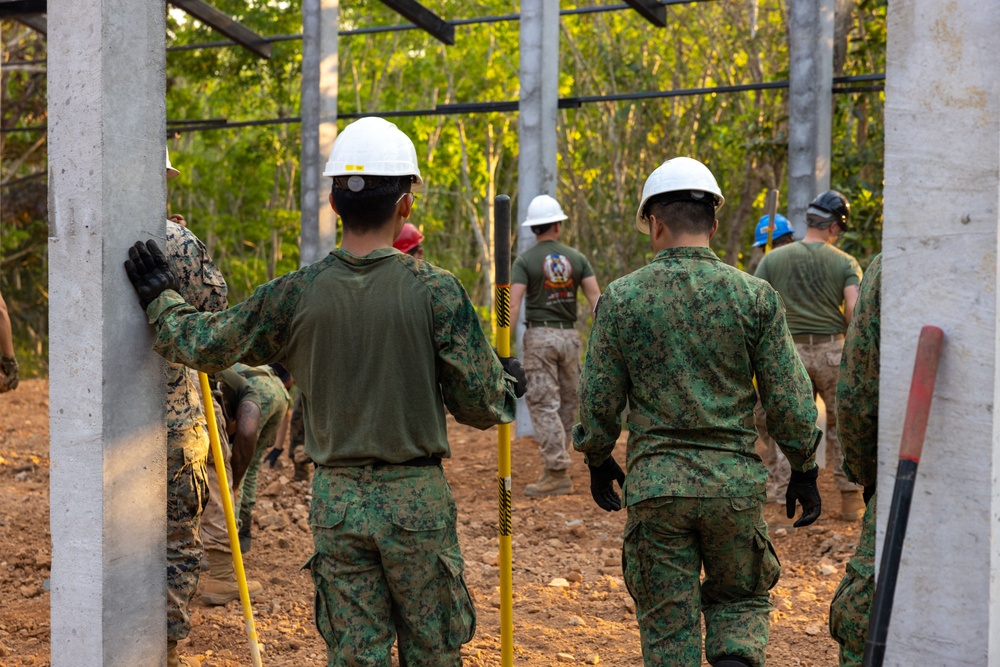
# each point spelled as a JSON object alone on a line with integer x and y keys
{"x": 107, "y": 189}
{"x": 319, "y": 126}
{"x": 538, "y": 105}
{"x": 942, "y": 209}
{"x": 810, "y": 105}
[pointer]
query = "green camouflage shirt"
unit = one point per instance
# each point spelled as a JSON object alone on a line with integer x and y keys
{"x": 378, "y": 345}
{"x": 681, "y": 340}
{"x": 202, "y": 285}
{"x": 857, "y": 388}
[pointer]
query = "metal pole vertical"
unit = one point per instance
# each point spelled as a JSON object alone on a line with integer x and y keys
{"x": 501, "y": 211}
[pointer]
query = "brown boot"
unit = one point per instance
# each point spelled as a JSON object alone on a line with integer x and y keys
{"x": 220, "y": 583}
{"x": 852, "y": 505}
{"x": 174, "y": 660}
{"x": 551, "y": 483}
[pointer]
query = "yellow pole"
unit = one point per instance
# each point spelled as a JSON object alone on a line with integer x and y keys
{"x": 501, "y": 254}
{"x": 227, "y": 506}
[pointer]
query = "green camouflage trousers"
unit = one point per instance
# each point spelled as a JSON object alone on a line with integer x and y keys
{"x": 187, "y": 495}
{"x": 273, "y": 406}
{"x": 388, "y": 566}
{"x": 852, "y": 601}
{"x": 552, "y": 363}
{"x": 668, "y": 540}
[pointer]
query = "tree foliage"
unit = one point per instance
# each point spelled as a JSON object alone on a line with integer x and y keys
{"x": 239, "y": 188}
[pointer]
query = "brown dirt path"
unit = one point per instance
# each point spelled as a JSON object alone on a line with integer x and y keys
{"x": 590, "y": 620}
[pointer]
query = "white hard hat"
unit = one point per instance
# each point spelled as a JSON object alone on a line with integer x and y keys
{"x": 373, "y": 146}
{"x": 171, "y": 172}
{"x": 542, "y": 210}
{"x": 677, "y": 175}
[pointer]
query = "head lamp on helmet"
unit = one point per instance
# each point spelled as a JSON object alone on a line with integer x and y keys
{"x": 832, "y": 206}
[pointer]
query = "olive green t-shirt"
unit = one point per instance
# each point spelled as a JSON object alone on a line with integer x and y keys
{"x": 552, "y": 272}
{"x": 811, "y": 277}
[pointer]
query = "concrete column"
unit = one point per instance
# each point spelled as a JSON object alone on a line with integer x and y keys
{"x": 538, "y": 104}
{"x": 319, "y": 126}
{"x": 810, "y": 105}
{"x": 942, "y": 209}
{"x": 107, "y": 189}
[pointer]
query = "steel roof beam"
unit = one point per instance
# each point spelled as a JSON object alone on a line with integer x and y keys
{"x": 651, "y": 10}
{"x": 14, "y": 9}
{"x": 423, "y": 18}
{"x": 229, "y": 27}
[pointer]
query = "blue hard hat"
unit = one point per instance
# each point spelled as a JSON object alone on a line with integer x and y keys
{"x": 781, "y": 227}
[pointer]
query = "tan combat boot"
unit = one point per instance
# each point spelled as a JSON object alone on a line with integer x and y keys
{"x": 174, "y": 660}
{"x": 852, "y": 505}
{"x": 220, "y": 583}
{"x": 551, "y": 483}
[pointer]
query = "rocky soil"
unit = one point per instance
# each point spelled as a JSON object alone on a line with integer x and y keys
{"x": 570, "y": 602}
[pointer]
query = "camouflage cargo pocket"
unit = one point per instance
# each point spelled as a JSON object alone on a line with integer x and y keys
{"x": 460, "y": 613}
{"x": 766, "y": 563}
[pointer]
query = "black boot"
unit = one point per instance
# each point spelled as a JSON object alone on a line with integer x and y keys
{"x": 245, "y": 537}
{"x": 731, "y": 661}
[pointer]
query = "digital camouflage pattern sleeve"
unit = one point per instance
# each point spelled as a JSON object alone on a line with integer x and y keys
{"x": 474, "y": 386}
{"x": 255, "y": 331}
{"x": 857, "y": 387}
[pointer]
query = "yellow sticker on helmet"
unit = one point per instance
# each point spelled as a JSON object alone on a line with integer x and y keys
{"x": 354, "y": 167}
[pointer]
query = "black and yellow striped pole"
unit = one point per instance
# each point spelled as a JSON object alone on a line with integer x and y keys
{"x": 501, "y": 257}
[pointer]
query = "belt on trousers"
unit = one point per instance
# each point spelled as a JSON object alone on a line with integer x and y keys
{"x": 814, "y": 339}
{"x": 419, "y": 462}
{"x": 550, "y": 325}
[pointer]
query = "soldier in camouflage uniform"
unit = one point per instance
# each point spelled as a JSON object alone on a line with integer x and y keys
{"x": 274, "y": 401}
{"x": 201, "y": 285}
{"x": 379, "y": 344}
{"x": 681, "y": 340}
{"x": 297, "y": 443}
{"x": 548, "y": 277}
{"x": 857, "y": 416}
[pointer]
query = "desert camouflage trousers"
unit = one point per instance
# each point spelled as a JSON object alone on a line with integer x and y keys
{"x": 668, "y": 540}
{"x": 387, "y": 567}
{"x": 187, "y": 495}
{"x": 214, "y": 534}
{"x": 822, "y": 362}
{"x": 551, "y": 359}
{"x": 852, "y": 601}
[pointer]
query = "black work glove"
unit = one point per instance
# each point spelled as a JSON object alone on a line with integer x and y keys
{"x": 869, "y": 492}
{"x": 8, "y": 366}
{"x": 272, "y": 456}
{"x": 602, "y": 486}
{"x": 512, "y": 366}
{"x": 149, "y": 272}
{"x": 802, "y": 488}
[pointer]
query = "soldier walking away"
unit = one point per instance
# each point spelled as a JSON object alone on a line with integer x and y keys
{"x": 548, "y": 276}
{"x": 9, "y": 374}
{"x": 379, "y": 344}
{"x": 818, "y": 284}
{"x": 681, "y": 341}
{"x": 857, "y": 418}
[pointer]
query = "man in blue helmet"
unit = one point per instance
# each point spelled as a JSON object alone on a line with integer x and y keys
{"x": 818, "y": 284}
{"x": 782, "y": 235}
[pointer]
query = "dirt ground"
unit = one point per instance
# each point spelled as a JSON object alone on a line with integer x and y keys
{"x": 570, "y": 602}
